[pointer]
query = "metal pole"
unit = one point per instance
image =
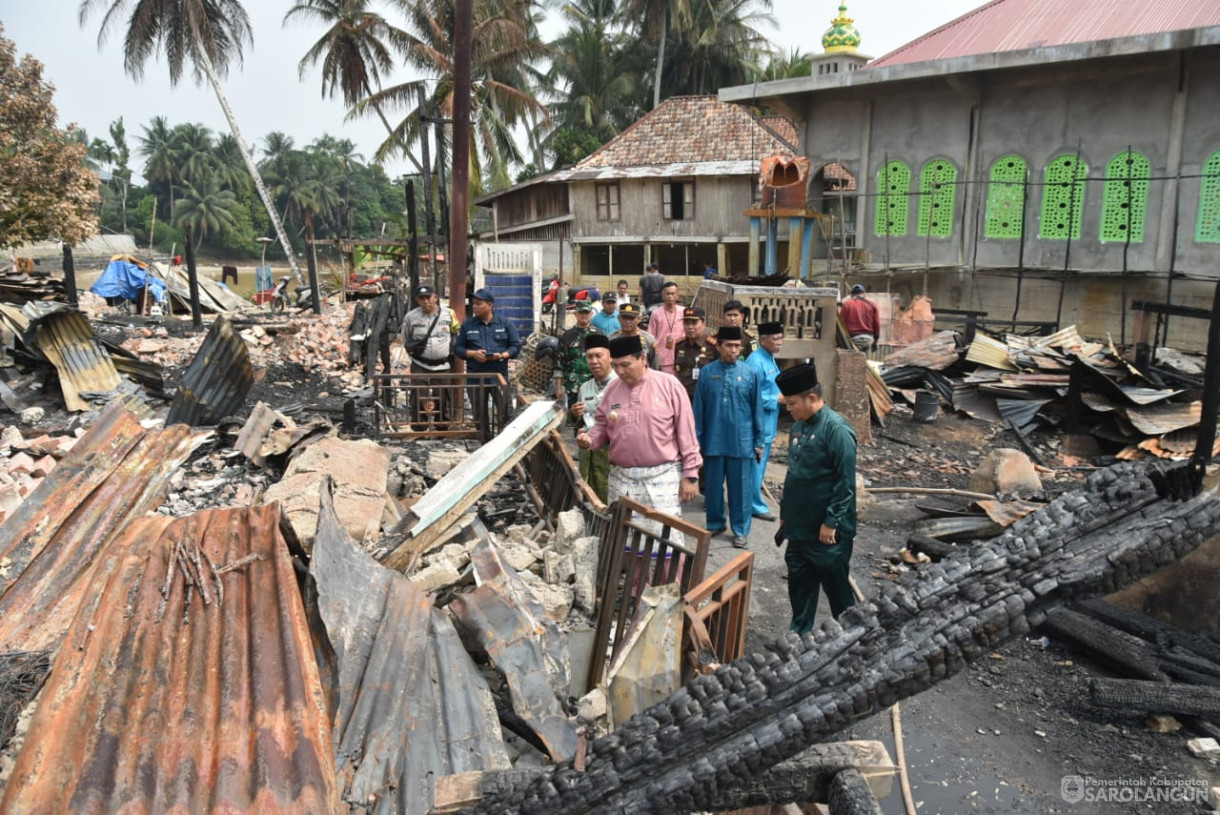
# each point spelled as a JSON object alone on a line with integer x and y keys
{"x": 1016, "y": 306}
{"x": 1067, "y": 254}
{"x": 1211, "y": 396}
{"x": 463, "y": 36}
{"x": 1122, "y": 336}
{"x": 1173, "y": 263}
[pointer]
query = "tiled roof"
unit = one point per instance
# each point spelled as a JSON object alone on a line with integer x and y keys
{"x": 1016, "y": 25}
{"x": 686, "y": 129}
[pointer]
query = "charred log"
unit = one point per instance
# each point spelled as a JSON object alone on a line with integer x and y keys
{"x": 933, "y": 548}
{"x": 1155, "y": 697}
{"x": 1122, "y": 651}
{"x": 850, "y": 795}
{"x": 721, "y": 730}
{"x": 1150, "y": 628}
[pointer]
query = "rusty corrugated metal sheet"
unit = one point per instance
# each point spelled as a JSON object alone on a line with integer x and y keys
{"x": 217, "y": 380}
{"x": 412, "y": 705}
{"x": 157, "y": 706}
{"x": 523, "y": 644}
{"x": 1158, "y": 420}
{"x": 1016, "y": 25}
{"x": 66, "y": 339}
{"x": 117, "y": 471}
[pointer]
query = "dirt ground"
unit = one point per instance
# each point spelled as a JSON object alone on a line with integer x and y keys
{"x": 1002, "y": 735}
{"x": 999, "y": 737}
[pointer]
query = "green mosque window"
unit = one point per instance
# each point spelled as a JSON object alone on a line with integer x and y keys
{"x": 1208, "y": 228}
{"x": 937, "y": 191}
{"x": 1006, "y": 198}
{"x": 894, "y": 184}
{"x": 1126, "y": 198}
{"x": 1063, "y": 199}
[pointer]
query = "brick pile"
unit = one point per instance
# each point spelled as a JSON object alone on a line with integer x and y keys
{"x": 24, "y": 463}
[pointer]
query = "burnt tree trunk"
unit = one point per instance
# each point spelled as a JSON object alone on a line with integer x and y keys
{"x": 721, "y": 730}
{"x": 1155, "y": 697}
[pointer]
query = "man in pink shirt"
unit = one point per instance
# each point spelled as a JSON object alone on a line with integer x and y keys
{"x": 645, "y": 416}
{"x": 665, "y": 323}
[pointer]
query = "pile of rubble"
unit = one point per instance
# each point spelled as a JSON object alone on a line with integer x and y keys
{"x": 1061, "y": 380}
{"x": 24, "y": 463}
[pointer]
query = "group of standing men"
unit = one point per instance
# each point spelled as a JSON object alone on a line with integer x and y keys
{"x": 658, "y": 408}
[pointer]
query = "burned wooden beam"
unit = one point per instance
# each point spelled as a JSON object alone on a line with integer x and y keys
{"x": 850, "y": 795}
{"x": 1155, "y": 697}
{"x": 809, "y": 776}
{"x": 721, "y": 730}
{"x": 1120, "y": 650}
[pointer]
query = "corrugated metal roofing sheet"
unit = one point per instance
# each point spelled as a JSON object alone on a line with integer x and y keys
{"x": 66, "y": 339}
{"x": 154, "y": 705}
{"x": 526, "y": 646}
{"x": 1157, "y": 420}
{"x": 217, "y": 380}
{"x": 676, "y": 170}
{"x": 49, "y": 545}
{"x": 1016, "y": 25}
{"x": 412, "y": 706}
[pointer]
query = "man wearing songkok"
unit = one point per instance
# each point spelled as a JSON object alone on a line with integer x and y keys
{"x": 770, "y": 341}
{"x": 594, "y": 464}
{"x": 818, "y": 510}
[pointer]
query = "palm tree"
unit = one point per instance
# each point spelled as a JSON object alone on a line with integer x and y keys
{"x": 157, "y": 149}
{"x": 230, "y": 170}
{"x": 720, "y": 46}
{"x": 506, "y": 44}
{"x": 205, "y": 207}
{"x": 355, "y": 50}
{"x": 658, "y": 16}
{"x": 589, "y": 73}
{"x": 793, "y": 64}
{"x": 207, "y": 35}
{"x": 192, "y": 151}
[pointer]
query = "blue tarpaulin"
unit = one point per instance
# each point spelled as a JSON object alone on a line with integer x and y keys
{"x": 125, "y": 279}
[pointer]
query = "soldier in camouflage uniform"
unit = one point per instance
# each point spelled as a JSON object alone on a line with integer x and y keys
{"x": 594, "y": 464}
{"x": 572, "y": 350}
{"x": 694, "y": 351}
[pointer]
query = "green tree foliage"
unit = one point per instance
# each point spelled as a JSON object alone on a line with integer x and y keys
{"x": 46, "y": 191}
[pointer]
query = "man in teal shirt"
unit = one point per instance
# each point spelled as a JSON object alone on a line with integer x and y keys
{"x": 818, "y": 510}
{"x": 606, "y": 320}
{"x": 728, "y": 423}
{"x": 770, "y": 341}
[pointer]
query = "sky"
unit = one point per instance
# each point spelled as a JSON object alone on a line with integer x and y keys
{"x": 267, "y": 93}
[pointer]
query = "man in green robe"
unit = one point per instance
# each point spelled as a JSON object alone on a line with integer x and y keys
{"x": 818, "y": 510}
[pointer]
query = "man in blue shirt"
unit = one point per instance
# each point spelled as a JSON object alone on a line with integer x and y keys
{"x": 729, "y": 426}
{"x": 770, "y": 341}
{"x": 606, "y": 320}
{"x": 487, "y": 342}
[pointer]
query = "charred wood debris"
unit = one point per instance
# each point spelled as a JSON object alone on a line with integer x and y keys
{"x": 713, "y": 743}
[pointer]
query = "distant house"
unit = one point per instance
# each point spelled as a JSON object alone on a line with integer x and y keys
{"x": 670, "y": 188}
{"x": 1057, "y": 161}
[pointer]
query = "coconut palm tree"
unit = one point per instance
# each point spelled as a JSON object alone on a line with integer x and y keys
{"x": 720, "y": 46}
{"x": 157, "y": 149}
{"x": 656, "y": 19}
{"x": 230, "y": 169}
{"x": 192, "y": 151}
{"x": 207, "y": 35}
{"x": 506, "y": 44}
{"x": 206, "y": 207}
{"x": 356, "y": 49}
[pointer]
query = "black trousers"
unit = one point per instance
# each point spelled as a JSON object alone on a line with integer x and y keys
{"x": 489, "y": 402}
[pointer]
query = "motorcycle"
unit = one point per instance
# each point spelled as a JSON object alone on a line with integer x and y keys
{"x": 549, "y": 293}
{"x": 279, "y": 296}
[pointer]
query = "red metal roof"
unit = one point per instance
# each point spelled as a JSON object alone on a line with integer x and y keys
{"x": 1016, "y": 25}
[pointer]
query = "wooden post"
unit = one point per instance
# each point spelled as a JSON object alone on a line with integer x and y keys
{"x": 188, "y": 244}
{"x": 463, "y": 35}
{"x": 754, "y": 235}
{"x": 69, "y": 276}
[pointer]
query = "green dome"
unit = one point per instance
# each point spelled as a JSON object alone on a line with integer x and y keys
{"x": 842, "y": 34}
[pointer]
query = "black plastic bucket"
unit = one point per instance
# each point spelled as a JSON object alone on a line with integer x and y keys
{"x": 927, "y": 406}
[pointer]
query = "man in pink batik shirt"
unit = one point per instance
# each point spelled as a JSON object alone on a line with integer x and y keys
{"x": 645, "y": 416}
